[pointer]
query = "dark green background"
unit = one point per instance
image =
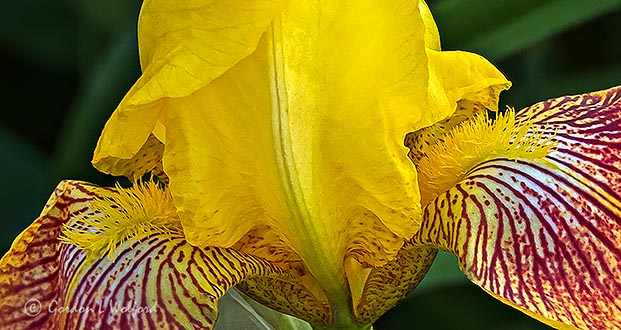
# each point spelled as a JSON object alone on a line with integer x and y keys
{"x": 67, "y": 63}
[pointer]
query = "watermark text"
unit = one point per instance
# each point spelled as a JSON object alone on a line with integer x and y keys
{"x": 34, "y": 307}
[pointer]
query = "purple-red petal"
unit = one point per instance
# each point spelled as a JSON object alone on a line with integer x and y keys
{"x": 153, "y": 281}
{"x": 544, "y": 235}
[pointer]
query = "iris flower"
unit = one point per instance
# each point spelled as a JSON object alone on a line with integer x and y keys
{"x": 265, "y": 140}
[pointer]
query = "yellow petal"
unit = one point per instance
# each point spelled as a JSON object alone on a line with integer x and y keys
{"x": 430, "y": 96}
{"x": 542, "y": 233}
{"x": 148, "y": 159}
{"x": 305, "y": 135}
{"x": 283, "y": 135}
{"x": 183, "y": 46}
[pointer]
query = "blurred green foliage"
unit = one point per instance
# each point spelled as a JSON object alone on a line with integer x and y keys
{"x": 67, "y": 63}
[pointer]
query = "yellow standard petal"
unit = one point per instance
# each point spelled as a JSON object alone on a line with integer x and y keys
{"x": 305, "y": 135}
{"x": 183, "y": 46}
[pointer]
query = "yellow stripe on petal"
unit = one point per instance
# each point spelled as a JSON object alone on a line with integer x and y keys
{"x": 544, "y": 235}
{"x": 154, "y": 280}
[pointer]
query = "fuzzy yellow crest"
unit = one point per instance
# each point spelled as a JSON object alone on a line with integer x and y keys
{"x": 476, "y": 141}
{"x": 136, "y": 212}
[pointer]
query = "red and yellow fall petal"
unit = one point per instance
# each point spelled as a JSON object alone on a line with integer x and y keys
{"x": 129, "y": 268}
{"x": 30, "y": 271}
{"x": 542, "y": 233}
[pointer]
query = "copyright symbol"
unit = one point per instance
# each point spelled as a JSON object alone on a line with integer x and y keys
{"x": 32, "y": 307}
